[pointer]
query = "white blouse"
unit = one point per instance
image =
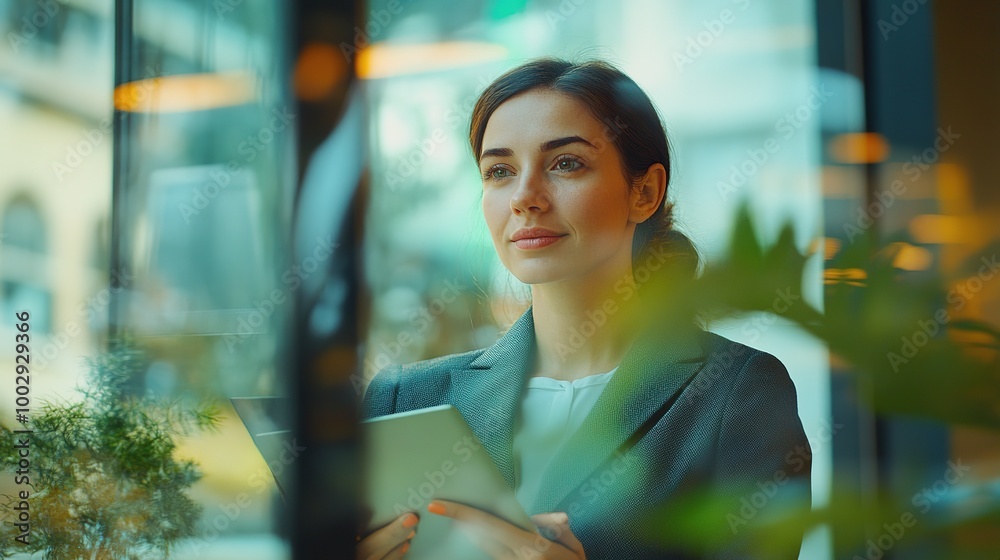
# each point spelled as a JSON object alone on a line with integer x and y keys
{"x": 551, "y": 411}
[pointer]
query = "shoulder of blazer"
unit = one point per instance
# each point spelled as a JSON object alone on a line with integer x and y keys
{"x": 728, "y": 363}
{"x": 752, "y": 387}
{"x": 398, "y": 388}
{"x": 729, "y": 354}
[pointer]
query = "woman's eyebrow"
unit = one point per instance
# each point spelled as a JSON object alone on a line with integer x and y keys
{"x": 497, "y": 152}
{"x": 544, "y": 147}
{"x": 560, "y": 142}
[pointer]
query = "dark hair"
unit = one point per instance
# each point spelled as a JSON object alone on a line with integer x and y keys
{"x": 632, "y": 125}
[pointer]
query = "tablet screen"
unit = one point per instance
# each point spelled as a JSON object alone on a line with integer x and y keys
{"x": 414, "y": 457}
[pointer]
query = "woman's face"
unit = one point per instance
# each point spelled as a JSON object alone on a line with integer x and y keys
{"x": 548, "y": 164}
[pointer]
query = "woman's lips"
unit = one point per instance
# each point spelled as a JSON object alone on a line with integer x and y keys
{"x": 537, "y": 242}
{"x": 535, "y": 237}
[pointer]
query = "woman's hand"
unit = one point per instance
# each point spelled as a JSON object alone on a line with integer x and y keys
{"x": 390, "y": 542}
{"x": 503, "y": 540}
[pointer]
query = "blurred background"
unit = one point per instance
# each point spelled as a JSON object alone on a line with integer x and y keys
{"x": 278, "y": 199}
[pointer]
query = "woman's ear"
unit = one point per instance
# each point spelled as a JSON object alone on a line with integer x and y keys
{"x": 648, "y": 194}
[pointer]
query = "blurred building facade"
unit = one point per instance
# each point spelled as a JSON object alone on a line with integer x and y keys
{"x": 61, "y": 111}
{"x": 55, "y": 185}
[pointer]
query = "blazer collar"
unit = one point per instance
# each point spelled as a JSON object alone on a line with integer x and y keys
{"x": 488, "y": 391}
{"x": 652, "y": 373}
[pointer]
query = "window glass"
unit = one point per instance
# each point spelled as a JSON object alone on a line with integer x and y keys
{"x": 145, "y": 199}
{"x": 204, "y": 191}
{"x": 741, "y": 96}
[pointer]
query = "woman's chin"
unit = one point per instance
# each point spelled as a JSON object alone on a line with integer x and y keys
{"x": 536, "y": 276}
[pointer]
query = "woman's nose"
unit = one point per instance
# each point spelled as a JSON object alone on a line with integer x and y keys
{"x": 531, "y": 194}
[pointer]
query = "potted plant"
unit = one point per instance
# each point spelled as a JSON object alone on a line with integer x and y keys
{"x": 102, "y": 480}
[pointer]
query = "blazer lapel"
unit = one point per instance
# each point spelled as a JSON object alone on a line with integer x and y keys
{"x": 488, "y": 392}
{"x": 649, "y": 378}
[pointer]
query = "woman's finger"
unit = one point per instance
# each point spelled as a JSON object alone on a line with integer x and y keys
{"x": 497, "y": 537}
{"x": 468, "y": 514}
{"x": 398, "y": 552}
{"x": 549, "y": 524}
{"x": 380, "y": 543}
{"x": 481, "y": 537}
{"x": 555, "y": 526}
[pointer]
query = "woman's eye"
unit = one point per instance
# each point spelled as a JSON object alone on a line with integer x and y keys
{"x": 496, "y": 173}
{"x": 568, "y": 164}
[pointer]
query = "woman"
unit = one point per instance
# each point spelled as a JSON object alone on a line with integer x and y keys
{"x": 593, "y": 416}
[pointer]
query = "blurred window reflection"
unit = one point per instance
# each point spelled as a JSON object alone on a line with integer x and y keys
{"x": 24, "y": 276}
{"x": 44, "y": 21}
{"x": 204, "y": 187}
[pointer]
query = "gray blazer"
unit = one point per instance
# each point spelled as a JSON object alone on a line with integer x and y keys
{"x": 685, "y": 410}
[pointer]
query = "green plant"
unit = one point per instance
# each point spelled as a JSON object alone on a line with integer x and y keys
{"x": 871, "y": 312}
{"x": 103, "y": 477}
{"x": 905, "y": 339}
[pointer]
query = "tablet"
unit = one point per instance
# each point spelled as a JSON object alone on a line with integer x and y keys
{"x": 267, "y": 420}
{"x": 414, "y": 457}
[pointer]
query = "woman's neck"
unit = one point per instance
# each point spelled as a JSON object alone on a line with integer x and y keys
{"x": 583, "y": 328}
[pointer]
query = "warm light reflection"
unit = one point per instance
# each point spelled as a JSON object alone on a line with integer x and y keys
{"x": 383, "y": 60}
{"x": 319, "y": 69}
{"x": 849, "y": 276}
{"x": 185, "y": 92}
{"x": 954, "y": 191}
{"x": 829, "y": 245}
{"x": 858, "y": 147}
{"x": 935, "y": 228}
{"x": 912, "y": 257}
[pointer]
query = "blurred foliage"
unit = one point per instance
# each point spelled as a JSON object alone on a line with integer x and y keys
{"x": 902, "y": 333}
{"x": 103, "y": 477}
{"x": 704, "y": 522}
{"x": 897, "y": 329}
